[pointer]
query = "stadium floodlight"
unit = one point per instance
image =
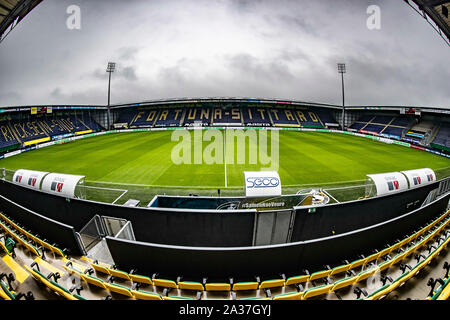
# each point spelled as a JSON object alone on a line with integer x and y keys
{"x": 342, "y": 70}
{"x": 110, "y": 69}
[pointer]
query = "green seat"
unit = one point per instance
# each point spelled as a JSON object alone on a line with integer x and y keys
{"x": 376, "y": 291}
{"x": 288, "y": 296}
{"x": 6, "y": 290}
{"x": 10, "y": 244}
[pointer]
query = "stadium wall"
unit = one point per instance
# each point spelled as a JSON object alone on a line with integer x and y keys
{"x": 347, "y": 216}
{"x": 56, "y": 232}
{"x": 216, "y": 228}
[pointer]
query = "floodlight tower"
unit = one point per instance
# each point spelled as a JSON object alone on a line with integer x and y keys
{"x": 342, "y": 70}
{"x": 110, "y": 69}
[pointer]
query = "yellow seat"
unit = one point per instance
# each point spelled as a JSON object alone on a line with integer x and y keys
{"x": 2, "y": 246}
{"x": 320, "y": 274}
{"x": 317, "y": 291}
{"x": 140, "y": 279}
{"x": 340, "y": 269}
{"x": 271, "y": 284}
{"x": 365, "y": 274}
{"x": 445, "y": 294}
{"x": 190, "y": 285}
{"x": 385, "y": 265}
{"x": 218, "y": 287}
{"x": 56, "y": 288}
{"x": 256, "y": 298}
{"x": 357, "y": 263}
{"x": 3, "y": 295}
{"x": 165, "y": 283}
{"x": 242, "y": 286}
{"x": 177, "y": 298}
{"x": 113, "y": 287}
{"x": 349, "y": 281}
{"x": 93, "y": 280}
{"x": 119, "y": 274}
{"x": 289, "y": 296}
{"x": 101, "y": 269}
{"x": 57, "y": 251}
{"x": 145, "y": 295}
{"x": 296, "y": 280}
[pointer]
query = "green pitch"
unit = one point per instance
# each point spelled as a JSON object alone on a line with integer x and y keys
{"x": 144, "y": 159}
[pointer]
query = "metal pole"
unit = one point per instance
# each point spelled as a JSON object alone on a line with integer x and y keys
{"x": 109, "y": 109}
{"x": 343, "y": 103}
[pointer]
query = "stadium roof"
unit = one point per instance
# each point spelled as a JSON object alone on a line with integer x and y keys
{"x": 437, "y": 12}
{"x": 12, "y": 12}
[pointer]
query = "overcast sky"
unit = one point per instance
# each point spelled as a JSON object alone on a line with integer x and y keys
{"x": 229, "y": 48}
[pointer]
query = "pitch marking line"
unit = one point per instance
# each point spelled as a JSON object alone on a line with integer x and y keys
{"x": 120, "y": 196}
{"x": 327, "y": 193}
{"x": 105, "y": 188}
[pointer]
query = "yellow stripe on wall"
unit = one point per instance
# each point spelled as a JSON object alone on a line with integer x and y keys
{"x": 27, "y": 143}
{"x": 82, "y": 132}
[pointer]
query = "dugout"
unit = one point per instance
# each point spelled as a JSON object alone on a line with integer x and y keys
{"x": 67, "y": 185}
{"x": 385, "y": 183}
{"x": 29, "y": 178}
{"x": 419, "y": 177}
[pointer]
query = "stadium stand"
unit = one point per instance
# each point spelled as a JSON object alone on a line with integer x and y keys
{"x": 229, "y": 116}
{"x": 389, "y": 126}
{"x": 254, "y": 116}
{"x": 442, "y": 138}
{"x": 283, "y": 117}
{"x": 170, "y": 117}
{"x": 29, "y": 130}
{"x": 391, "y": 267}
{"x": 197, "y": 116}
{"x": 223, "y": 116}
{"x": 419, "y": 132}
{"x": 118, "y": 283}
{"x": 142, "y": 118}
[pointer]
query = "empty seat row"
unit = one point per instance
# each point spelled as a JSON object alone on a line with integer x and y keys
{"x": 408, "y": 271}
{"x": 52, "y": 284}
{"x": 349, "y": 279}
{"x": 43, "y": 244}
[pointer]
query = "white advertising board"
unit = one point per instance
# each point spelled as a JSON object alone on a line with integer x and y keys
{"x": 262, "y": 184}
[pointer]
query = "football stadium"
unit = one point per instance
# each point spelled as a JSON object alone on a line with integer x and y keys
{"x": 224, "y": 198}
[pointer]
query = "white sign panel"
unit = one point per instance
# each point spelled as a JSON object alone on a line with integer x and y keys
{"x": 62, "y": 184}
{"x": 29, "y": 178}
{"x": 389, "y": 182}
{"x": 262, "y": 184}
{"x": 420, "y": 177}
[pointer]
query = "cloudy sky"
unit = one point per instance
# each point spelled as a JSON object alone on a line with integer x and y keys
{"x": 229, "y": 48}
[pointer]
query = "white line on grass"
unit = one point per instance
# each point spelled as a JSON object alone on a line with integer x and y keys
{"x": 348, "y": 187}
{"x": 215, "y": 187}
{"x": 119, "y": 196}
{"x": 327, "y": 193}
{"x": 225, "y": 158}
{"x": 105, "y": 188}
{"x": 160, "y": 186}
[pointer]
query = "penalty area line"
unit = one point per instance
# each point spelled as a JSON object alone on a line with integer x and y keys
{"x": 328, "y": 194}
{"x": 119, "y": 197}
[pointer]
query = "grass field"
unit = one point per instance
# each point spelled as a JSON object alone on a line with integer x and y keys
{"x": 138, "y": 165}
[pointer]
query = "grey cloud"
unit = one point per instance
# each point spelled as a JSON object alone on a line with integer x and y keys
{"x": 127, "y": 72}
{"x": 163, "y": 49}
